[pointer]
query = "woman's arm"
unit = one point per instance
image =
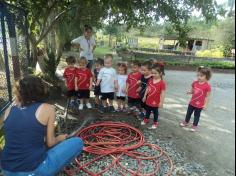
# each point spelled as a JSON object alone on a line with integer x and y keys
{"x": 51, "y": 140}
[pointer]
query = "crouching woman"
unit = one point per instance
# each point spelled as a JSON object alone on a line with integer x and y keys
{"x": 31, "y": 147}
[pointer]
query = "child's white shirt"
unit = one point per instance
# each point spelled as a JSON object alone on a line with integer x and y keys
{"x": 121, "y": 85}
{"x": 108, "y": 77}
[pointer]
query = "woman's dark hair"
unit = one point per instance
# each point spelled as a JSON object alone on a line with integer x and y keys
{"x": 70, "y": 60}
{"x": 30, "y": 89}
{"x": 99, "y": 61}
{"x": 87, "y": 28}
{"x": 205, "y": 71}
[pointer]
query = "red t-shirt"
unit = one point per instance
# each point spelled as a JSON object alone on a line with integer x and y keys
{"x": 83, "y": 76}
{"x": 200, "y": 92}
{"x": 133, "y": 79}
{"x": 69, "y": 75}
{"x": 154, "y": 93}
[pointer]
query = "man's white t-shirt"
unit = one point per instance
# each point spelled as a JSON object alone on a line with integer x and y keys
{"x": 122, "y": 85}
{"x": 108, "y": 77}
{"x": 86, "y": 45}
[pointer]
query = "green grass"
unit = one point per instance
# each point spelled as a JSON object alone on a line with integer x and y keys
{"x": 101, "y": 51}
{"x": 214, "y": 65}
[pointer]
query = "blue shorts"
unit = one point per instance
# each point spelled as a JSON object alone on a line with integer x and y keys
{"x": 57, "y": 158}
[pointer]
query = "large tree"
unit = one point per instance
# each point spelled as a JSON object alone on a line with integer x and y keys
{"x": 47, "y": 15}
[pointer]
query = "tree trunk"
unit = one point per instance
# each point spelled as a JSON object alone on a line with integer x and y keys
{"x": 110, "y": 40}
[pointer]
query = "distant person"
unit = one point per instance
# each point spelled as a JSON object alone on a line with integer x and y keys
{"x": 201, "y": 91}
{"x": 154, "y": 96}
{"x": 86, "y": 45}
{"x": 107, "y": 78}
{"x": 31, "y": 147}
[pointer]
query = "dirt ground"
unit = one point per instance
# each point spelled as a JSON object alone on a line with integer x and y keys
{"x": 212, "y": 149}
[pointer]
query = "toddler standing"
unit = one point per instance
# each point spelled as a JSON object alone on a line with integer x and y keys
{"x": 201, "y": 91}
{"x": 83, "y": 83}
{"x": 154, "y": 96}
{"x": 107, "y": 79}
{"x": 121, "y": 93}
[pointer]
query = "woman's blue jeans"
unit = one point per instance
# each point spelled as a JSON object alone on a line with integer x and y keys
{"x": 57, "y": 158}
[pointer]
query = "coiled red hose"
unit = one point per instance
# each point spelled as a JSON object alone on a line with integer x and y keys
{"x": 117, "y": 140}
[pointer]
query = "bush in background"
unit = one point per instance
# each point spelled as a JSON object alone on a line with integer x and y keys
{"x": 213, "y": 53}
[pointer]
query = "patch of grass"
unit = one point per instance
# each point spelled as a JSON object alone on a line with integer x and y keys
{"x": 101, "y": 51}
{"x": 215, "y": 65}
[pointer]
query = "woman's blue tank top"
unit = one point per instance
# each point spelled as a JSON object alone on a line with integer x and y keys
{"x": 25, "y": 146}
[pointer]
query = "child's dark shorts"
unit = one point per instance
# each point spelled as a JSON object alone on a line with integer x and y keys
{"x": 71, "y": 93}
{"x": 97, "y": 91}
{"x": 121, "y": 98}
{"x": 84, "y": 94}
{"x": 109, "y": 96}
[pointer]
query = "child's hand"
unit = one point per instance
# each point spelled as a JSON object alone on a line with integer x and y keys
{"x": 76, "y": 89}
{"x": 205, "y": 108}
{"x": 91, "y": 88}
{"x": 124, "y": 91}
{"x": 116, "y": 88}
{"x": 161, "y": 105}
{"x": 190, "y": 92}
{"x": 144, "y": 99}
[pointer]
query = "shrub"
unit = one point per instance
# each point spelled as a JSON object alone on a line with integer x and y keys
{"x": 214, "y": 53}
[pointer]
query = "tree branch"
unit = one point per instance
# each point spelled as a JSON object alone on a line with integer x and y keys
{"x": 54, "y": 21}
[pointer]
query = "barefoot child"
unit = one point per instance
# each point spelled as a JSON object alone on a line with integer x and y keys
{"x": 200, "y": 92}
{"x": 69, "y": 75}
{"x": 107, "y": 78}
{"x": 121, "y": 93}
{"x": 154, "y": 96}
{"x": 83, "y": 83}
{"x": 146, "y": 70}
{"x": 132, "y": 87}
{"x": 99, "y": 64}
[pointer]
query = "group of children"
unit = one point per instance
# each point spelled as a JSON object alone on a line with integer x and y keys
{"x": 144, "y": 87}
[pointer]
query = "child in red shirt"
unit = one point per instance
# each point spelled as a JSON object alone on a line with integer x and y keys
{"x": 69, "y": 75}
{"x": 132, "y": 86}
{"x": 83, "y": 83}
{"x": 154, "y": 96}
{"x": 200, "y": 92}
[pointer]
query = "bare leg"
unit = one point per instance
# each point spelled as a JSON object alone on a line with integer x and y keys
{"x": 110, "y": 102}
{"x": 119, "y": 103}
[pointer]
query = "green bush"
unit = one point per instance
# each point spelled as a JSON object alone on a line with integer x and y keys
{"x": 214, "y": 65}
{"x": 214, "y": 53}
{"x": 51, "y": 63}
